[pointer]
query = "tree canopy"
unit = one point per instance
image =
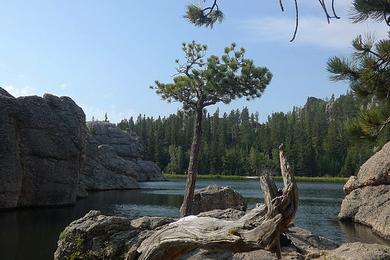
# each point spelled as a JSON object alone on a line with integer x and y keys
{"x": 200, "y": 83}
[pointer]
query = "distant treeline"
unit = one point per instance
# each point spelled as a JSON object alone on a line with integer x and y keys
{"x": 236, "y": 143}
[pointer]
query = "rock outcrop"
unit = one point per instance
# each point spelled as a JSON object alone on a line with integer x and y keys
{"x": 96, "y": 236}
{"x": 368, "y": 194}
{"x": 375, "y": 171}
{"x": 369, "y": 206}
{"x": 215, "y": 197}
{"x": 42, "y": 148}
{"x": 124, "y": 144}
{"x": 114, "y": 161}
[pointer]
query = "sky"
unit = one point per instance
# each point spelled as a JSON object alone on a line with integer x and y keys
{"x": 105, "y": 54}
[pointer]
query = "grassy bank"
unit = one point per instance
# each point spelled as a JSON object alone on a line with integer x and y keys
{"x": 277, "y": 178}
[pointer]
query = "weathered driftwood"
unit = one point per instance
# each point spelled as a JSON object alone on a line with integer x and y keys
{"x": 260, "y": 228}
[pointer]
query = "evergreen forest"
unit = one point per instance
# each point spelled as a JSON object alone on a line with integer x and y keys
{"x": 317, "y": 138}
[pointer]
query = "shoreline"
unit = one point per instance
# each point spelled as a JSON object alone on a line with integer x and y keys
{"x": 321, "y": 179}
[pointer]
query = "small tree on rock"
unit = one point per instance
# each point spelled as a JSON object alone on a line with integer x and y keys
{"x": 200, "y": 83}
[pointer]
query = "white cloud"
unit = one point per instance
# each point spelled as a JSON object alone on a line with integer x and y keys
{"x": 312, "y": 30}
{"x": 20, "y": 91}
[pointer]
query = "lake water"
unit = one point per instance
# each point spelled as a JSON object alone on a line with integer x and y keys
{"x": 33, "y": 233}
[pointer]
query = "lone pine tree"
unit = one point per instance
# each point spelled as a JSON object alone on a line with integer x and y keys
{"x": 201, "y": 82}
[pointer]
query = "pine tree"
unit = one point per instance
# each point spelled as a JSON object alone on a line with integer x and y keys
{"x": 369, "y": 74}
{"x": 378, "y": 10}
{"x": 368, "y": 71}
{"x": 201, "y": 83}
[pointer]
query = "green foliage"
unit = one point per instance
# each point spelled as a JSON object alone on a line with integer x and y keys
{"x": 236, "y": 143}
{"x": 176, "y": 156}
{"x": 368, "y": 71}
{"x": 204, "y": 16}
{"x": 200, "y": 83}
{"x": 378, "y": 10}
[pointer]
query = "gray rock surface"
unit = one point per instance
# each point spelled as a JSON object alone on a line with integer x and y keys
{"x": 105, "y": 170}
{"x": 375, "y": 171}
{"x": 368, "y": 194}
{"x": 125, "y": 145}
{"x": 369, "y": 206}
{"x": 96, "y": 236}
{"x": 215, "y": 197}
{"x": 203, "y": 254}
{"x": 254, "y": 255}
{"x": 42, "y": 147}
{"x": 357, "y": 250}
{"x": 114, "y": 160}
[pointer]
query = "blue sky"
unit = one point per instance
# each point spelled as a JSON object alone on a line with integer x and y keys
{"x": 105, "y": 54}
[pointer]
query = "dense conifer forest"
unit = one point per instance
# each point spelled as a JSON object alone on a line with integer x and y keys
{"x": 316, "y": 135}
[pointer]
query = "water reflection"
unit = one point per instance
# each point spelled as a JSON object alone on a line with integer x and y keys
{"x": 355, "y": 232}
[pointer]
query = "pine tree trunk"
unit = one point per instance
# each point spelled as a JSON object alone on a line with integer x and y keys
{"x": 193, "y": 165}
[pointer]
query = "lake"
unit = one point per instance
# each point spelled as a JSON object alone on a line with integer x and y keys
{"x": 33, "y": 233}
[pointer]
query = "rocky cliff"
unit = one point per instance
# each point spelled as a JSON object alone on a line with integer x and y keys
{"x": 367, "y": 198}
{"x": 114, "y": 160}
{"x": 42, "y": 144}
